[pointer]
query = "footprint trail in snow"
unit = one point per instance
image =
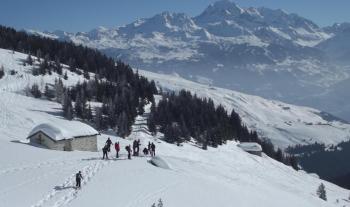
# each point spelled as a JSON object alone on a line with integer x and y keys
{"x": 64, "y": 193}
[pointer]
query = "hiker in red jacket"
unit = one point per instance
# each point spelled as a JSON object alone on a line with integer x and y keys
{"x": 117, "y": 149}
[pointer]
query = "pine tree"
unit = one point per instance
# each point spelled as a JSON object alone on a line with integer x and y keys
{"x": 38, "y": 54}
{"x": 69, "y": 113}
{"x": 58, "y": 66}
{"x": 72, "y": 64}
{"x": 35, "y": 71}
{"x": 151, "y": 124}
{"x": 43, "y": 67}
{"x": 59, "y": 91}
{"x": 279, "y": 155}
{"x": 98, "y": 119}
{"x": 65, "y": 76}
{"x": 2, "y": 71}
{"x": 29, "y": 60}
{"x": 48, "y": 93}
{"x": 140, "y": 107}
{"x": 172, "y": 133}
{"x": 122, "y": 124}
{"x": 321, "y": 192}
{"x": 89, "y": 115}
{"x": 35, "y": 91}
{"x": 294, "y": 162}
{"x": 86, "y": 75}
{"x": 78, "y": 107}
{"x": 67, "y": 106}
{"x": 205, "y": 145}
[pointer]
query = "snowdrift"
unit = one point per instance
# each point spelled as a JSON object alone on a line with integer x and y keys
{"x": 159, "y": 162}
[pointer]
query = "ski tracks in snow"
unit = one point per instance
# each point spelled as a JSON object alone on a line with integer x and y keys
{"x": 64, "y": 193}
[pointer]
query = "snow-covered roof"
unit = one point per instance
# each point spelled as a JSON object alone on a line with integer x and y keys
{"x": 61, "y": 131}
{"x": 250, "y": 146}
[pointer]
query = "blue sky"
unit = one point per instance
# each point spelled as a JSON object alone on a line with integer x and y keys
{"x": 83, "y": 15}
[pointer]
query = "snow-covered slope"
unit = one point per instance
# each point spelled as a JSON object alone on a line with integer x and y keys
{"x": 282, "y": 123}
{"x": 38, "y": 177}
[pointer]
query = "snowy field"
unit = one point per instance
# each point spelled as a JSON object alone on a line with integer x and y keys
{"x": 225, "y": 176}
{"x": 284, "y": 124}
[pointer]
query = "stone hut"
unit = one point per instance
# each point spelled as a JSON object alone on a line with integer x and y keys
{"x": 72, "y": 135}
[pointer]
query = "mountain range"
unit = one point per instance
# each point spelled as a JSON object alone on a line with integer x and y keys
{"x": 261, "y": 51}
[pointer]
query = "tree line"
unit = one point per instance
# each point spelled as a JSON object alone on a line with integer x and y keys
{"x": 101, "y": 103}
{"x": 182, "y": 116}
{"x": 329, "y": 162}
{"x": 306, "y": 149}
{"x": 121, "y": 102}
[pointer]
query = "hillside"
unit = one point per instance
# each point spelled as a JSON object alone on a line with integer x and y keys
{"x": 195, "y": 175}
{"x": 284, "y": 124}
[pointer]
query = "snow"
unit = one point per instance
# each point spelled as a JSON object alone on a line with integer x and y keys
{"x": 159, "y": 162}
{"x": 223, "y": 176}
{"x": 250, "y": 146}
{"x": 64, "y": 130}
{"x": 43, "y": 34}
{"x": 280, "y": 33}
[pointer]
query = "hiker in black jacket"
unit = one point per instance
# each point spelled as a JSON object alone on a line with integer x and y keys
{"x": 138, "y": 144}
{"x": 128, "y": 149}
{"x": 78, "y": 178}
{"x": 105, "y": 152}
{"x": 145, "y": 151}
{"x": 134, "y": 147}
{"x": 108, "y": 144}
{"x": 153, "y": 151}
{"x": 149, "y": 147}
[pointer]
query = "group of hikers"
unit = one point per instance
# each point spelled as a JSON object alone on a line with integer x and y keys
{"x": 150, "y": 149}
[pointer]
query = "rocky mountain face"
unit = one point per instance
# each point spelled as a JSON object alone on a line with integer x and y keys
{"x": 261, "y": 51}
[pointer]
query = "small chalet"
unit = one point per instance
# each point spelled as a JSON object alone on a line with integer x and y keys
{"x": 251, "y": 147}
{"x": 65, "y": 136}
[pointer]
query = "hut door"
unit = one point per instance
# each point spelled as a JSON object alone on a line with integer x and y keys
{"x": 68, "y": 145}
{"x": 40, "y": 140}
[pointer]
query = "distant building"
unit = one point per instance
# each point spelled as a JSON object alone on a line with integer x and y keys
{"x": 72, "y": 135}
{"x": 251, "y": 147}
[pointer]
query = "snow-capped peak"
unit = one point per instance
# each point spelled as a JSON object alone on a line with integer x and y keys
{"x": 164, "y": 22}
{"x": 226, "y": 7}
{"x": 220, "y": 10}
